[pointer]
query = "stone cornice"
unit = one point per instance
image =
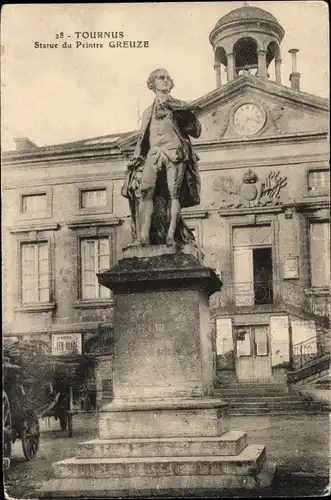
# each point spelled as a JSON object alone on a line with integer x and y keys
{"x": 321, "y": 159}
{"x": 35, "y": 307}
{"x": 293, "y": 138}
{"x": 13, "y": 158}
{"x": 68, "y": 152}
{"x": 93, "y": 222}
{"x": 230, "y": 212}
{"x": 34, "y": 226}
{"x": 93, "y": 304}
{"x": 86, "y": 327}
{"x": 194, "y": 214}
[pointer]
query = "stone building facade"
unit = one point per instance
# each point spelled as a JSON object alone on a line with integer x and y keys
{"x": 263, "y": 221}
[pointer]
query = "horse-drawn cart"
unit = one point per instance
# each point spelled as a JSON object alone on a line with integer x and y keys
{"x": 39, "y": 385}
{"x": 61, "y": 406}
{"x": 20, "y": 420}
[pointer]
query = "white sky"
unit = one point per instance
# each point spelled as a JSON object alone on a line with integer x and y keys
{"x": 61, "y": 95}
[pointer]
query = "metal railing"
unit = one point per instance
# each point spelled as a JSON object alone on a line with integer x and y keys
{"x": 246, "y": 293}
{"x": 278, "y": 293}
{"x": 253, "y": 293}
{"x": 313, "y": 348}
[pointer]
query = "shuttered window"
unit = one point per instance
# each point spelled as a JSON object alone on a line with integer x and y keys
{"x": 35, "y": 272}
{"x": 319, "y": 180}
{"x": 94, "y": 198}
{"x": 95, "y": 257}
{"x": 320, "y": 254}
{"x": 34, "y": 203}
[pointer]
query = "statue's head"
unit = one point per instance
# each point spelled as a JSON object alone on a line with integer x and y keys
{"x": 160, "y": 80}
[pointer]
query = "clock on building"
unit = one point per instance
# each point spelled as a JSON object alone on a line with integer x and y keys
{"x": 249, "y": 118}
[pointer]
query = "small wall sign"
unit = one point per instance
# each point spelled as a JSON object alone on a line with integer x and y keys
{"x": 66, "y": 344}
{"x": 291, "y": 268}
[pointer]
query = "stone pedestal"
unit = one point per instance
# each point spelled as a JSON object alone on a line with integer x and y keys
{"x": 162, "y": 330}
{"x": 164, "y": 430}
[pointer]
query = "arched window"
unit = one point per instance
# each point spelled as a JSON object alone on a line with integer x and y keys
{"x": 245, "y": 56}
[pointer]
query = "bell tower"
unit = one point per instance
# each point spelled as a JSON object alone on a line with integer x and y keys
{"x": 245, "y": 42}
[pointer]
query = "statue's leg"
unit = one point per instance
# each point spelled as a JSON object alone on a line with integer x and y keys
{"x": 146, "y": 205}
{"x": 175, "y": 176}
{"x": 146, "y": 214}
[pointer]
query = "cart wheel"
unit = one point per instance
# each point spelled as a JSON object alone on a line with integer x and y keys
{"x": 7, "y": 426}
{"x": 31, "y": 437}
{"x": 63, "y": 423}
{"x": 70, "y": 425}
{"x": 6, "y": 463}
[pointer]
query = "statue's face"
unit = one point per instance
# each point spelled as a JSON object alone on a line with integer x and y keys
{"x": 162, "y": 82}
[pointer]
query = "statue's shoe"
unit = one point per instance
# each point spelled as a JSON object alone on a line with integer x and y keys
{"x": 144, "y": 242}
{"x": 170, "y": 241}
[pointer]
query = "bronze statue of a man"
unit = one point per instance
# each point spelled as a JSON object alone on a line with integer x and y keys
{"x": 162, "y": 175}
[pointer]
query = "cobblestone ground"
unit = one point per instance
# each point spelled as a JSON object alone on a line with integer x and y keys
{"x": 298, "y": 445}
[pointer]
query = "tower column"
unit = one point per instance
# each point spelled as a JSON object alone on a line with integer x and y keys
{"x": 278, "y": 62}
{"x": 262, "y": 63}
{"x": 294, "y": 76}
{"x": 217, "y": 68}
{"x": 230, "y": 66}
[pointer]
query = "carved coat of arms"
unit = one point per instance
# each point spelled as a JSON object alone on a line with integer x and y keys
{"x": 251, "y": 191}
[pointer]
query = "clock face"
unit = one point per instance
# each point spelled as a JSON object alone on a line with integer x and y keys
{"x": 248, "y": 119}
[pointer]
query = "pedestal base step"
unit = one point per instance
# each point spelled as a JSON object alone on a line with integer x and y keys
{"x": 201, "y": 417}
{"x": 230, "y": 443}
{"x": 133, "y": 487}
{"x": 249, "y": 461}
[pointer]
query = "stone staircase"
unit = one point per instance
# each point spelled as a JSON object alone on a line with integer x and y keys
{"x": 267, "y": 399}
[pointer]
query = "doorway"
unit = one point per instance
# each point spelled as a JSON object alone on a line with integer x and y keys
{"x": 252, "y": 351}
{"x": 253, "y": 266}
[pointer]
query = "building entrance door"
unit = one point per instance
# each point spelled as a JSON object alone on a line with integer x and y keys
{"x": 252, "y": 345}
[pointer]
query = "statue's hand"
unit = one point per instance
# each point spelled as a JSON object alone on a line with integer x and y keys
{"x": 135, "y": 162}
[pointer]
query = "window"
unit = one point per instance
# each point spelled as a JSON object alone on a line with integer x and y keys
{"x": 243, "y": 339}
{"x": 252, "y": 340}
{"x": 94, "y": 198}
{"x": 35, "y": 272}
{"x": 60, "y": 346}
{"x": 261, "y": 340}
{"x": 34, "y": 203}
{"x": 318, "y": 180}
{"x": 252, "y": 260}
{"x": 320, "y": 254}
{"x": 95, "y": 257}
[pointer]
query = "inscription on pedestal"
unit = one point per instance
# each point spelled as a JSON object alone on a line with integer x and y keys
{"x": 157, "y": 344}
